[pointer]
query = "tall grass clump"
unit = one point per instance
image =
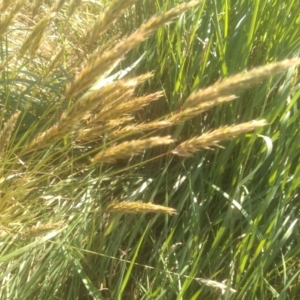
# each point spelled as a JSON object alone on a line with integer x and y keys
{"x": 106, "y": 110}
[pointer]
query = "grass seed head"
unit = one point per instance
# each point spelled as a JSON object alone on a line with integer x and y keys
{"x": 33, "y": 41}
{"x": 105, "y": 20}
{"x": 95, "y": 69}
{"x": 8, "y": 19}
{"x": 81, "y": 109}
{"x": 73, "y": 6}
{"x": 127, "y": 149}
{"x": 239, "y": 82}
{"x": 7, "y": 130}
{"x": 5, "y": 5}
{"x": 139, "y": 208}
{"x": 213, "y": 138}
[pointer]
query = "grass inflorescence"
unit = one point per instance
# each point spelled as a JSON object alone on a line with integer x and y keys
{"x": 93, "y": 201}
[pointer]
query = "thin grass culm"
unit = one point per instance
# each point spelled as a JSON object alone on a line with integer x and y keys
{"x": 108, "y": 110}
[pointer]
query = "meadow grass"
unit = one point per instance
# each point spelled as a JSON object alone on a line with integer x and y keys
{"x": 109, "y": 186}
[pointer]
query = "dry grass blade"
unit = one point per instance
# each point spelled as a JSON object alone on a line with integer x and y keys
{"x": 139, "y": 208}
{"x": 215, "y": 284}
{"x": 213, "y": 138}
{"x": 7, "y": 130}
{"x": 128, "y": 149}
{"x": 239, "y": 82}
{"x": 100, "y": 66}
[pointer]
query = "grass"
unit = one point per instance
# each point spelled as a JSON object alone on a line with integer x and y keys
{"x": 108, "y": 185}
